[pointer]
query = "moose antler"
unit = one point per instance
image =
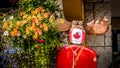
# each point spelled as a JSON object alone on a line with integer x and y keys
{"x": 98, "y": 27}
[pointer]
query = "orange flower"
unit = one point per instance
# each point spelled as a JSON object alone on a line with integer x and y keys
{"x": 37, "y": 10}
{"x": 5, "y": 25}
{"x": 18, "y": 23}
{"x": 33, "y": 27}
{"x": 13, "y": 33}
{"x": 39, "y": 31}
{"x": 51, "y": 19}
{"x": 16, "y": 27}
{"x": 29, "y": 18}
{"x": 38, "y": 15}
{"x": 41, "y": 9}
{"x": 10, "y": 24}
{"x": 35, "y": 36}
{"x": 24, "y": 16}
{"x": 27, "y": 30}
{"x": 46, "y": 28}
{"x": 41, "y": 26}
{"x": 44, "y": 24}
{"x": 22, "y": 13}
{"x": 34, "y": 17}
{"x": 33, "y": 24}
{"x": 33, "y": 12}
{"x": 37, "y": 22}
{"x": 40, "y": 19}
{"x": 22, "y": 23}
{"x": 45, "y": 15}
{"x": 33, "y": 20}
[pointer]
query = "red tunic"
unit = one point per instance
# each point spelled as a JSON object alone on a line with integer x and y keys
{"x": 65, "y": 55}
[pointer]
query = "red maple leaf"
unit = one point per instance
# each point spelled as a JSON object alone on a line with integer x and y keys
{"x": 76, "y": 35}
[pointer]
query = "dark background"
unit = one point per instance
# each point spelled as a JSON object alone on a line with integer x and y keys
{"x": 7, "y": 4}
{"x": 115, "y": 8}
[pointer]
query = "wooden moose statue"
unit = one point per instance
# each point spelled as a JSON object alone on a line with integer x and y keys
{"x": 73, "y": 55}
{"x": 76, "y": 54}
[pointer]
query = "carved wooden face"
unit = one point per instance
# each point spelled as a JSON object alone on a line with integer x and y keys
{"x": 77, "y": 24}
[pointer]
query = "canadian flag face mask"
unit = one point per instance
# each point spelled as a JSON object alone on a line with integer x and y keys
{"x": 77, "y": 36}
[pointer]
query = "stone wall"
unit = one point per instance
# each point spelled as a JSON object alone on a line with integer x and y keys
{"x": 100, "y": 43}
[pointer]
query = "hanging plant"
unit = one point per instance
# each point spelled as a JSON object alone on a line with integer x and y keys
{"x": 33, "y": 29}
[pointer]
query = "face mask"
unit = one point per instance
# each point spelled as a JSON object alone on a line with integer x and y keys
{"x": 77, "y": 36}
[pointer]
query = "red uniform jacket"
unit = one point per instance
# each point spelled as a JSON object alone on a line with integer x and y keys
{"x": 86, "y": 59}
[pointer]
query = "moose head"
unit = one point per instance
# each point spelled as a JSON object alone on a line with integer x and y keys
{"x": 77, "y": 30}
{"x": 100, "y": 26}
